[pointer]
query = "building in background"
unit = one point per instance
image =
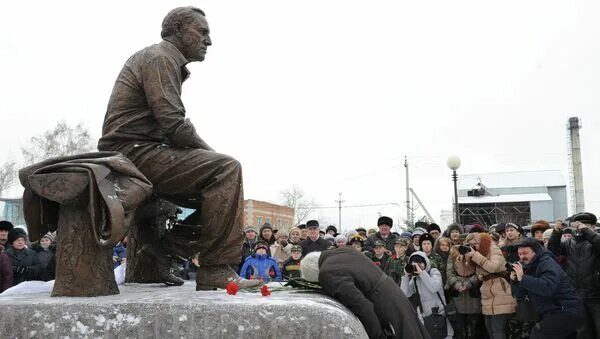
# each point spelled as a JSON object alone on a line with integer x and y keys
{"x": 257, "y": 212}
{"x": 11, "y": 204}
{"x": 446, "y": 218}
{"x": 520, "y": 197}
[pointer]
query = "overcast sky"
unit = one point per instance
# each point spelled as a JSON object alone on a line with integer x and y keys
{"x": 331, "y": 95}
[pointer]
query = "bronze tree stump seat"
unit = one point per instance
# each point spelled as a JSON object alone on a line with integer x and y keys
{"x": 90, "y": 199}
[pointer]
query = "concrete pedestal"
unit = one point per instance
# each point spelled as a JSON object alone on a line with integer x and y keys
{"x": 154, "y": 311}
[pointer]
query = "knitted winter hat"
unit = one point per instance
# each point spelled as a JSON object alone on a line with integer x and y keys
{"x": 419, "y": 231}
{"x": 547, "y": 234}
{"x": 261, "y": 244}
{"x": 309, "y": 267}
{"x": 50, "y": 236}
{"x": 281, "y": 233}
{"x": 340, "y": 238}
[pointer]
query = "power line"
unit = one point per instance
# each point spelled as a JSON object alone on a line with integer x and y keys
{"x": 356, "y": 206}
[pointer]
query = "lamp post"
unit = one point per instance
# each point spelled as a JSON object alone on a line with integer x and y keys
{"x": 454, "y": 163}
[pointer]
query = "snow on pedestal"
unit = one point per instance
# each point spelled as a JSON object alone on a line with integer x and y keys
{"x": 155, "y": 311}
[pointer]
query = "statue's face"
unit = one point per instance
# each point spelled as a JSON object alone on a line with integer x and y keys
{"x": 196, "y": 39}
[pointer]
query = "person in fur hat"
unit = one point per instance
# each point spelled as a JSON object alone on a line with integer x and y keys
{"x": 435, "y": 230}
{"x": 25, "y": 263}
{"x": 538, "y": 228}
{"x": 377, "y": 301}
{"x": 331, "y": 230}
{"x": 453, "y": 232}
{"x": 497, "y": 302}
{"x": 384, "y": 234}
{"x": 5, "y": 227}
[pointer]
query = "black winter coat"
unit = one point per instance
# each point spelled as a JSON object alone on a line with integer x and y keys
{"x": 548, "y": 287}
{"x": 582, "y": 261}
{"x": 6, "y": 272}
{"x": 351, "y": 278}
{"x": 319, "y": 245}
{"x": 247, "y": 249}
{"x": 47, "y": 259}
{"x": 28, "y": 258}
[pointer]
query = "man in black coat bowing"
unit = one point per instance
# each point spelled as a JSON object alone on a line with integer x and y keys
{"x": 351, "y": 278}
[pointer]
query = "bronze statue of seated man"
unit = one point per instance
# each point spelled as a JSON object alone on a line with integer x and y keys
{"x": 145, "y": 121}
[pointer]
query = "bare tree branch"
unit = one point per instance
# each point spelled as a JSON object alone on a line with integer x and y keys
{"x": 294, "y": 197}
{"x": 59, "y": 141}
{"x": 7, "y": 175}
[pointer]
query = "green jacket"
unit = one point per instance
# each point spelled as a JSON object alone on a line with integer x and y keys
{"x": 436, "y": 260}
{"x": 381, "y": 263}
{"x": 395, "y": 268}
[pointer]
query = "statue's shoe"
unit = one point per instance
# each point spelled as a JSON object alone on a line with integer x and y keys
{"x": 163, "y": 264}
{"x": 218, "y": 276}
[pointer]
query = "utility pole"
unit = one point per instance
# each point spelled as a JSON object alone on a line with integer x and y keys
{"x": 408, "y": 209}
{"x": 340, "y": 201}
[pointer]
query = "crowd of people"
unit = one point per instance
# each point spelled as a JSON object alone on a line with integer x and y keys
{"x": 497, "y": 281}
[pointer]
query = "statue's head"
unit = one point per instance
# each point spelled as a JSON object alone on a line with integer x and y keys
{"x": 187, "y": 29}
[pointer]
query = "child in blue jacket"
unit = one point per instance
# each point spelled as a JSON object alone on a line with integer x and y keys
{"x": 260, "y": 265}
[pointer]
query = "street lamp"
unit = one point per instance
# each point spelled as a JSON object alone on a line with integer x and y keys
{"x": 454, "y": 163}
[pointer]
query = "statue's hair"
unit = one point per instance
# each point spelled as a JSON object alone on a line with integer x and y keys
{"x": 181, "y": 15}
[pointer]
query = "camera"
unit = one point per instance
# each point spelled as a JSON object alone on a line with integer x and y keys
{"x": 509, "y": 266}
{"x": 410, "y": 268}
{"x": 462, "y": 249}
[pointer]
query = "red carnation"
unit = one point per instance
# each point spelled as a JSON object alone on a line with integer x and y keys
{"x": 264, "y": 290}
{"x": 232, "y": 288}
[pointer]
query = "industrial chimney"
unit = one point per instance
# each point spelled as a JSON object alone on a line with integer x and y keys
{"x": 576, "y": 202}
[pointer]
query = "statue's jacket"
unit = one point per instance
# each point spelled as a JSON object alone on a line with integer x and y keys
{"x": 106, "y": 184}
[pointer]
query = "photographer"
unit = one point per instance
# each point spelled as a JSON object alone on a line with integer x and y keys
{"x": 497, "y": 303}
{"x": 539, "y": 278}
{"x": 582, "y": 265}
{"x": 426, "y": 282}
{"x": 463, "y": 288}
